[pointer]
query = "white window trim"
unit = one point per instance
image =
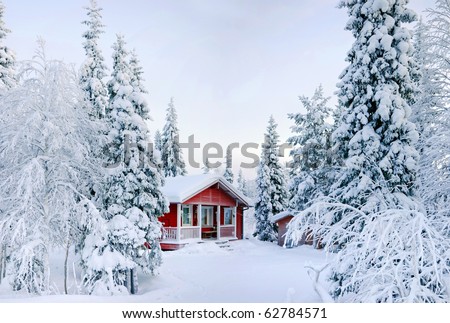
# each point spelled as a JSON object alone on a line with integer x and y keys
{"x": 191, "y": 218}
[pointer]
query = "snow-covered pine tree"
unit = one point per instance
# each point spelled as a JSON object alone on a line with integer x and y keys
{"x": 388, "y": 251}
{"x": 137, "y": 82}
{"x": 272, "y": 195}
{"x": 206, "y": 167}
{"x": 264, "y": 229}
{"x": 158, "y": 140}
{"x": 133, "y": 198}
{"x": 242, "y": 183}
{"x": 228, "y": 174}
{"x": 374, "y": 136}
{"x": 95, "y": 97}
{"x": 7, "y": 57}
{"x": 171, "y": 153}
{"x": 44, "y": 139}
{"x": 311, "y": 168}
{"x": 149, "y": 197}
{"x": 93, "y": 70}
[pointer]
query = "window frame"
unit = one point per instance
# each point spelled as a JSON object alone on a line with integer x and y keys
{"x": 233, "y": 215}
{"x": 183, "y": 224}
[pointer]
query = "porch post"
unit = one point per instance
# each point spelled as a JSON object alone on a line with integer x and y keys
{"x": 178, "y": 221}
{"x": 199, "y": 220}
{"x": 218, "y": 222}
{"x": 235, "y": 221}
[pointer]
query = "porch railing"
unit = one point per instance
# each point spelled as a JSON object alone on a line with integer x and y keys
{"x": 186, "y": 233}
{"x": 169, "y": 233}
{"x": 190, "y": 233}
{"x": 227, "y": 231}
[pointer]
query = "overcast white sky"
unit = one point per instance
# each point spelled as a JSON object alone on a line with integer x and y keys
{"x": 228, "y": 63}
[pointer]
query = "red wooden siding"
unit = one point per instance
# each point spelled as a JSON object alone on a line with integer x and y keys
{"x": 282, "y": 229}
{"x": 239, "y": 222}
{"x": 169, "y": 219}
{"x": 212, "y": 196}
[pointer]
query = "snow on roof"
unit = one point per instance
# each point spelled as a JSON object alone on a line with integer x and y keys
{"x": 281, "y": 215}
{"x": 181, "y": 188}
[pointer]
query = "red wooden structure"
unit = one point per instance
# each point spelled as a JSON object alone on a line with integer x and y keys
{"x": 282, "y": 220}
{"x": 202, "y": 207}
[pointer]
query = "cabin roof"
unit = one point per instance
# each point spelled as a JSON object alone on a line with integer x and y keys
{"x": 277, "y": 217}
{"x": 181, "y": 188}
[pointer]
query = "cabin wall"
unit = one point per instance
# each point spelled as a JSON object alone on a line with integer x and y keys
{"x": 169, "y": 219}
{"x": 239, "y": 222}
{"x": 212, "y": 196}
{"x": 282, "y": 229}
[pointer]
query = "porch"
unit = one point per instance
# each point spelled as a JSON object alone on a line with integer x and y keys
{"x": 196, "y": 222}
{"x": 225, "y": 232}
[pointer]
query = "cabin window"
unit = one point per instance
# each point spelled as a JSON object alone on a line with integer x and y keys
{"x": 207, "y": 216}
{"x": 229, "y": 216}
{"x": 187, "y": 215}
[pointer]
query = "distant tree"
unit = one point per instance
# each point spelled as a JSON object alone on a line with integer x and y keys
{"x": 7, "y": 58}
{"x": 158, "y": 140}
{"x": 242, "y": 183}
{"x": 206, "y": 167}
{"x": 228, "y": 174}
{"x": 171, "y": 153}
{"x": 272, "y": 195}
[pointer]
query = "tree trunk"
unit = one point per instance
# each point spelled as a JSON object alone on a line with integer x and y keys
{"x": 133, "y": 281}
{"x": 1, "y": 263}
{"x": 66, "y": 267}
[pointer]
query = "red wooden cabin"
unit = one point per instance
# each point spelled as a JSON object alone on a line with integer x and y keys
{"x": 282, "y": 220}
{"x": 202, "y": 207}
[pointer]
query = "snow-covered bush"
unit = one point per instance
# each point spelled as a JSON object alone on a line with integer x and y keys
{"x": 390, "y": 255}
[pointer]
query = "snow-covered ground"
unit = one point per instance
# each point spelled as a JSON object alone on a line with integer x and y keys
{"x": 244, "y": 271}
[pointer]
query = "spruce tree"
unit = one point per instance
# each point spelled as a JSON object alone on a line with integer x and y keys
{"x": 7, "y": 57}
{"x": 206, "y": 167}
{"x": 375, "y": 137}
{"x": 133, "y": 199}
{"x": 171, "y": 153}
{"x": 228, "y": 174}
{"x": 93, "y": 70}
{"x": 272, "y": 194}
{"x": 310, "y": 169}
{"x": 242, "y": 183}
{"x": 137, "y": 82}
{"x": 158, "y": 140}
